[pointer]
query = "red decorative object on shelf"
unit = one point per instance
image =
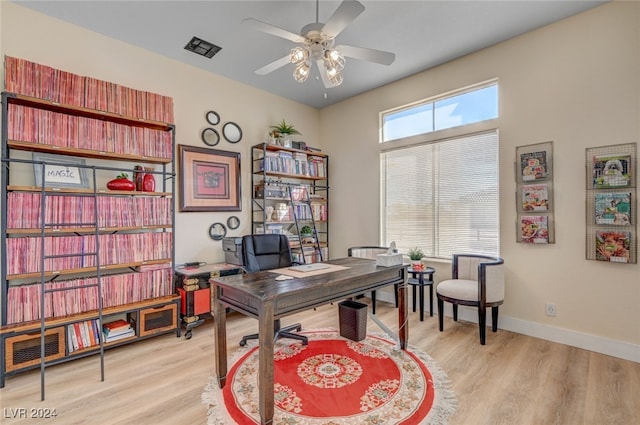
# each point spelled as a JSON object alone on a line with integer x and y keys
{"x": 138, "y": 176}
{"x": 148, "y": 181}
{"x": 121, "y": 183}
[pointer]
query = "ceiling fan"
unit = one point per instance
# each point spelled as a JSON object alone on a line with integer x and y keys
{"x": 316, "y": 43}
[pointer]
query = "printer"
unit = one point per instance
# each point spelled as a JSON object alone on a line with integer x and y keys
{"x": 232, "y": 247}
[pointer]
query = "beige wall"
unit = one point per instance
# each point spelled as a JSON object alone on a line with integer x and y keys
{"x": 576, "y": 83}
{"x": 36, "y": 37}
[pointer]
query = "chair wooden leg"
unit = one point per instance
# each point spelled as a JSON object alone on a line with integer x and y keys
{"x": 395, "y": 292}
{"x": 455, "y": 312}
{"x": 441, "y": 314}
{"x": 373, "y": 302}
{"x": 494, "y": 319}
{"x": 482, "y": 324}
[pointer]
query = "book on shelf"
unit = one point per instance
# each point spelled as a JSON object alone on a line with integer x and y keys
{"x": 613, "y": 246}
{"x": 534, "y": 166}
{"x": 535, "y": 197}
{"x": 82, "y": 335}
{"x": 611, "y": 171}
{"x": 116, "y": 327}
{"x": 534, "y": 228}
{"x": 613, "y": 208}
{"x": 111, "y": 338}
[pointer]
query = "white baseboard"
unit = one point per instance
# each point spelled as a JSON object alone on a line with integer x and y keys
{"x": 598, "y": 344}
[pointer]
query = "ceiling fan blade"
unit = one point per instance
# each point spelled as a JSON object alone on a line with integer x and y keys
{"x": 370, "y": 55}
{"x": 323, "y": 74}
{"x": 342, "y": 17}
{"x": 273, "y": 30}
{"x": 273, "y": 65}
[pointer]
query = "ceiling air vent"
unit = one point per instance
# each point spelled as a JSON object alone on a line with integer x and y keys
{"x": 202, "y": 47}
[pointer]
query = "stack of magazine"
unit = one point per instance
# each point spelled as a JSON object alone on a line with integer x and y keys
{"x": 118, "y": 329}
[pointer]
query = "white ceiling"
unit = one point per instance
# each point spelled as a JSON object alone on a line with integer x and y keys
{"x": 422, "y": 34}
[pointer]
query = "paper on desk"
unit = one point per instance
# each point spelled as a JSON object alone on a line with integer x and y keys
{"x": 283, "y": 277}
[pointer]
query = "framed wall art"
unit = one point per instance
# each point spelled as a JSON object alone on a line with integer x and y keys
{"x": 59, "y": 171}
{"x": 209, "y": 179}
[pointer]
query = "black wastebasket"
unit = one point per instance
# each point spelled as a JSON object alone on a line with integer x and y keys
{"x": 353, "y": 320}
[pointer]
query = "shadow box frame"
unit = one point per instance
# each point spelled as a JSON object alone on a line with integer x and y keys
{"x": 210, "y": 179}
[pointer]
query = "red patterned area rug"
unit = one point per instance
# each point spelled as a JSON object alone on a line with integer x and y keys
{"x": 334, "y": 381}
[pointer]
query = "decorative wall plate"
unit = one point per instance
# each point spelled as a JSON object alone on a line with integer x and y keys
{"x": 232, "y": 132}
{"x": 213, "y": 118}
{"x": 217, "y": 231}
{"x": 233, "y": 222}
{"x": 210, "y": 136}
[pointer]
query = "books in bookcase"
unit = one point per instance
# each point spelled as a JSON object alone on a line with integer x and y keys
{"x": 66, "y": 211}
{"x": 535, "y": 197}
{"x": 30, "y": 124}
{"x": 44, "y": 82}
{"x": 534, "y": 228}
{"x": 73, "y": 296}
{"x": 85, "y": 334}
{"x": 613, "y": 208}
{"x": 116, "y": 330}
{"x": 116, "y": 327}
{"x": 613, "y": 246}
{"x": 534, "y": 166}
{"x": 611, "y": 171}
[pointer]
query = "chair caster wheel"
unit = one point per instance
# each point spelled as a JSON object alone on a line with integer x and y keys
{"x": 243, "y": 343}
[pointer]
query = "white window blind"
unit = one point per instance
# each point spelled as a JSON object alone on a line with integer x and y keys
{"x": 442, "y": 196}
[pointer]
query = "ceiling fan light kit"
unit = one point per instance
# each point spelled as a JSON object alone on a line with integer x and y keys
{"x": 317, "y": 42}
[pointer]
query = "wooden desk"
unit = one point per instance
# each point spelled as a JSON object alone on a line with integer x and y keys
{"x": 259, "y": 295}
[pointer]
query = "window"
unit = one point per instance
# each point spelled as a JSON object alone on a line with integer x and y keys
{"x": 442, "y": 196}
{"x": 470, "y": 106}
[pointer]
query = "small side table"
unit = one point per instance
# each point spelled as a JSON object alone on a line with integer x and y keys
{"x": 192, "y": 283}
{"x": 417, "y": 279}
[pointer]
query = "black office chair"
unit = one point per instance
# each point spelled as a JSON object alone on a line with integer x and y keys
{"x": 265, "y": 252}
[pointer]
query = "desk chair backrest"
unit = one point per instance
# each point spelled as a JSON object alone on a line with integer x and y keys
{"x": 265, "y": 252}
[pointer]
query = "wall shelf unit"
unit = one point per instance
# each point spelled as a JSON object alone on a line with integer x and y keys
{"x": 291, "y": 191}
{"x": 611, "y": 216}
{"x": 77, "y": 255}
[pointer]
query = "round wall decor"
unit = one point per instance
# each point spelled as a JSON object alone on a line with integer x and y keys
{"x": 217, "y": 231}
{"x": 210, "y": 136}
{"x": 212, "y": 117}
{"x": 232, "y": 132}
{"x": 233, "y": 222}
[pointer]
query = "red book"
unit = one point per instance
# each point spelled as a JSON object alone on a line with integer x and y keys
{"x": 115, "y": 326}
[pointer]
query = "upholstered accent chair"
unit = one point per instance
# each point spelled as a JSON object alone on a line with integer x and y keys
{"x": 370, "y": 253}
{"x": 266, "y": 252}
{"x": 476, "y": 281}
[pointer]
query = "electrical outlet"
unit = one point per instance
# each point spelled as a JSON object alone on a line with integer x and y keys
{"x": 551, "y": 309}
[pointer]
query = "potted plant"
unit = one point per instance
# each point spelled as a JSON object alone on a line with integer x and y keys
{"x": 283, "y": 132}
{"x": 306, "y": 231}
{"x": 416, "y": 254}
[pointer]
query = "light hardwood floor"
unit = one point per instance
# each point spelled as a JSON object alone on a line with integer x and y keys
{"x": 514, "y": 379}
